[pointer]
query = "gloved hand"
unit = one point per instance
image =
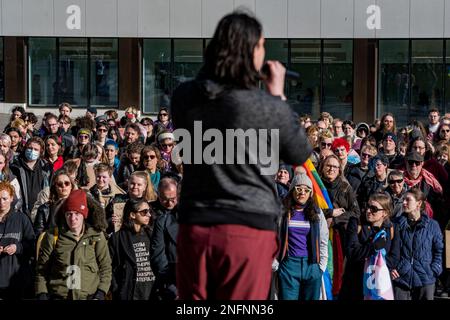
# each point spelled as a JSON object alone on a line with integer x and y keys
{"x": 379, "y": 243}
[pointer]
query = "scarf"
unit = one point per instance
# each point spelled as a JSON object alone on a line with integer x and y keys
{"x": 428, "y": 177}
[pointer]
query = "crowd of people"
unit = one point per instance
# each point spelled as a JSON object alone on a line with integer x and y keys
{"x": 88, "y": 208}
{"x": 98, "y": 207}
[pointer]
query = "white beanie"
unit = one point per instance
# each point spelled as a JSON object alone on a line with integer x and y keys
{"x": 301, "y": 179}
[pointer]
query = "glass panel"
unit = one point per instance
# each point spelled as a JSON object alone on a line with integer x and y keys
{"x": 73, "y": 71}
{"x": 188, "y": 59}
{"x": 447, "y": 76}
{"x": 276, "y": 50}
{"x": 104, "y": 78}
{"x": 2, "y": 72}
{"x": 426, "y": 76}
{"x": 338, "y": 78}
{"x": 304, "y": 94}
{"x": 156, "y": 66}
{"x": 42, "y": 71}
{"x": 393, "y": 83}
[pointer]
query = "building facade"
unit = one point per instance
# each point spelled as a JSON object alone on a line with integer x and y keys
{"x": 357, "y": 58}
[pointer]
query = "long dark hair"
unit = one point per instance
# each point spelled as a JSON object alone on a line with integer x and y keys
{"x": 311, "y": 210}
{"x": 132, "y": 205}
{"x": 229, "y": 55}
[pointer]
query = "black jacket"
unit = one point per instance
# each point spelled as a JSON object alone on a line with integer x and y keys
{"x": 235, "y": 193}
{"x": 359, "y": 246}
{"x": 43, "y": 171}
{"x": 123, "y": 264}
{"x": 355, "y": 175}
{"x": 15, "y": 270}
{"x": 163, "y": 251}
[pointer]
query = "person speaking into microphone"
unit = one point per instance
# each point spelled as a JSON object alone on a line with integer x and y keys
{"x": 228, "y": 208}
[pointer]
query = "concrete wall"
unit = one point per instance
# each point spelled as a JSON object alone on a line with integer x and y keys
{"x": 198, "y": 18}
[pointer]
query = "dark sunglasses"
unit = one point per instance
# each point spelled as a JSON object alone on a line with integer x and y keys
{"x": 444, "y": 130}
{"x": 163, "y": 114}
{"x": 145, "y": 212}
{"x": 412, "y": 162}
{"x": 63, "y": 184}
{"x": 374, "y": 209}
{"x": 366, "y": 155}
{"x": 324, "y": 144}
{"x": 151, "y": 157}
{"x": 395, "y": 181}
{"x": 102, "y": 130}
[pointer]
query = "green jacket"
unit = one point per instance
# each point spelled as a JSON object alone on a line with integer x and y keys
{"x": 59, "y": 265}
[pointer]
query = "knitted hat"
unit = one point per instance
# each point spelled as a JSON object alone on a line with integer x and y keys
{"x": 390, "y": 135}
{"x": 76, "y": 201}
{"x": 92, "y": 110}
{"x": 165, "y": 135}
{"x": 288, "y": 168}
{"x": 301, "y": 179}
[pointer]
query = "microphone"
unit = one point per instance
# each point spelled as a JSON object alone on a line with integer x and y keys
{"x": 265, "y": 71}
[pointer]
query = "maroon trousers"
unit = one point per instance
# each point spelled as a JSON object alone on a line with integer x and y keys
{"x": 224, "y": 262}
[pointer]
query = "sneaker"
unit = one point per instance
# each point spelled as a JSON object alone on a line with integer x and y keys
{"x": 444, "y": 294}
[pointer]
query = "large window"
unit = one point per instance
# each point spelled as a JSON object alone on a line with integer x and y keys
{"x": 42, "y": 71}
{"x": 2, "y": 72}
{"x": 80, "y": 71}
{"x": 104, "y": 69}
{"x": 447, "y": 77}
{"x": 411, "y": 78}
{"x": 166, "y": 64}
{"x": 304, "y": 93}
{"x": 188, "y": 59}
{"x": 393, "y": 78}
{"x": 426, "y": 77}
{"x": 337, "y": 77}
{"x": 156, "y": 74}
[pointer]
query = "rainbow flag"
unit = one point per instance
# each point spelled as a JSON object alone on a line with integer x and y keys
{"x": 320, "y": 192}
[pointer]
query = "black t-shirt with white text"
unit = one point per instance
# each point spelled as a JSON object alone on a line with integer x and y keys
{"x": 144, "y": 274}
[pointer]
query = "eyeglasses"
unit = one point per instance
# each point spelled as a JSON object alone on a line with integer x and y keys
{"x": 445, "y": 130}
{"x": 327, "y": 145}
{"x": 63, "y": 184}
{"x": 392, "y": 181}
{"x": 151, "y": 157}
{"x": 374, "y": 209}
{"x": 416, "y": 163}
{"x": 366, "y": 155}
{"x": 102, "y": 130}
{"x": 145, "y": 212}
{"x": 302, "y": 189}
{"x": 163, "y": 114}
{"x": 83, "y": 136}
{"x": 329, "y": 166}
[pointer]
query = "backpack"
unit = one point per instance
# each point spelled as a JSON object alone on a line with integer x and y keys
{"x": 41, "y": 236}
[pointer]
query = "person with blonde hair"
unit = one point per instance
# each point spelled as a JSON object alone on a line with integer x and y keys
{"x": 16, "y": 247}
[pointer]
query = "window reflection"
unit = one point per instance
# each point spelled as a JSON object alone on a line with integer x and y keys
{"x": 188, "y": 59}
{"x": 338, "y": 78}
{"x": 72, "y": 83}
{"x": 103, "y": 71}
{"x": 304, "y": 93}
{"x": 157, "y": 74}
{"x": 42, "y": 71}
{"x": 393, "y": 75}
